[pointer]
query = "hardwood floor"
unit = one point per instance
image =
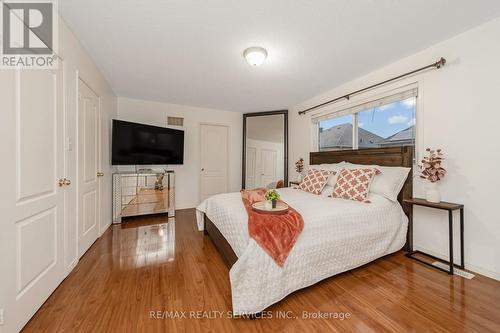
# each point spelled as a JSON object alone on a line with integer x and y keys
{"x": 151, "y": 264}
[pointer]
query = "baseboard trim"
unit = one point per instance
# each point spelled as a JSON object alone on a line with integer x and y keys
{"x": 180, "y": 207}
{"x": 468, "y": 266}
{"x": 105, "y": 228}
{"x": 71, "y": 266}
{"x": 187, "y": 208}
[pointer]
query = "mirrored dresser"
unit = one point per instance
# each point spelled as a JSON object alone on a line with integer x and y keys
{"x": 143, "y": 193}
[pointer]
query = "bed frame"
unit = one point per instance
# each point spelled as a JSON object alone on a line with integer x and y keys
{"x": 388, "y": 156}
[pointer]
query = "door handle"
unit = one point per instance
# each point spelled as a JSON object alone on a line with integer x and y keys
{"x": 100, "y": 174}
{"x": 202, "y": 169}
{"x": 64, "y": 182}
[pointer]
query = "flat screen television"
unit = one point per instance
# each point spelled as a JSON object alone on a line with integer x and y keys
{"x": 139, "y": 144}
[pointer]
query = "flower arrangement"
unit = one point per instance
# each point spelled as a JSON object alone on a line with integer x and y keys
{"x": 431, "y": 166}
{"x": 299, "y": 165}
{"x": 272, "y": 196}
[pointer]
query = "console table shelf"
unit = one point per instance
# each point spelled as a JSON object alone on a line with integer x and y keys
{"x": 449, "y": 207}
{"x": 143, "y": 193}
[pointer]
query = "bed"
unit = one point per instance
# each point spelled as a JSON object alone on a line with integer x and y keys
{"x": 339, "y": 235}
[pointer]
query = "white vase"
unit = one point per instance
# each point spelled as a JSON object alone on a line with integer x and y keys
{"x": 432, "y": 193}
{"x": 268, "y": 205}
{"x": 299, "y": 177}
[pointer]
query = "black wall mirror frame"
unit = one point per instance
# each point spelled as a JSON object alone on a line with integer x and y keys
{"x": 285, "y": 136}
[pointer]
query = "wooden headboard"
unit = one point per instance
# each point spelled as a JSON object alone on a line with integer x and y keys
{"x": 389, "y": 156}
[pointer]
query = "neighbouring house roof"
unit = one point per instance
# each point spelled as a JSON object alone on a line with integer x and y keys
{"x": 341, "y": 136}
{"x": 404, "y": 135}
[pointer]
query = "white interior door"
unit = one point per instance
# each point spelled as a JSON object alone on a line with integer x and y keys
{"x": 32, "y": 128}
{"x": 251, "y": 159}
{"x": 214, "y": 159}
{"x": 88, "y": 163}
{"x": 268, "y": 163}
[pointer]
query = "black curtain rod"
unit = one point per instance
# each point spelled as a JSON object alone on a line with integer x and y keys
{"x": 438, "y": 64}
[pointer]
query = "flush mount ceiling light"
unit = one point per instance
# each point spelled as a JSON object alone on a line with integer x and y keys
{"x": 255, "y": 55}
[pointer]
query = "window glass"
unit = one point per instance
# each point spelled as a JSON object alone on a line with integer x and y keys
{"x": 336, "y": 133}
{"x": 388, "y": 125}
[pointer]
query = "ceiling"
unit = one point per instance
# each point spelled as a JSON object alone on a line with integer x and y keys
{"x": 190, "y": 51}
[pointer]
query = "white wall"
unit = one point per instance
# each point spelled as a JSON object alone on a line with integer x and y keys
{"x": 458, "y": 112}
{"x": 187, "y": 176}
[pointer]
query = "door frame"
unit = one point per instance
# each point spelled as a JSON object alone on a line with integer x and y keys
{"x": 228, "y": 164}
{"x": 285, "y": 143}
{"x": 70, "y": 132}
{"x": 77, "y": 164}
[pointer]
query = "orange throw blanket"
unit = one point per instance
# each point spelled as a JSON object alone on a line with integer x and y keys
{"x": 276, "y": 234}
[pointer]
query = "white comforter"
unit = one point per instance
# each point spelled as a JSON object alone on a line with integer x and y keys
{"x": 338, "y": 235}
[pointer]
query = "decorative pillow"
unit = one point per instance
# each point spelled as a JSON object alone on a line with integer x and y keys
{"x": 315, "y": 180}
{"x": 389, "y": 183}
{"x": 354, "y": 184}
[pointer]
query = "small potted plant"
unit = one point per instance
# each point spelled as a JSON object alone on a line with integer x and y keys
{"x": 299, "y": 167}
{"x": 271, "y": 196}
{"x": 433, "y": 171}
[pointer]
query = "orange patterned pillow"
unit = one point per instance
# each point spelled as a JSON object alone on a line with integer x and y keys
{"x": 315, "y": 180}
{"x": 354, "y": 184}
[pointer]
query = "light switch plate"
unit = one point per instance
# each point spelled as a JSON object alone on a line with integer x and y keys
{"x": 69, "y": 143}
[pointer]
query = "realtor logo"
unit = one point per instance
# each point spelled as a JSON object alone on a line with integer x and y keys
{"x": 29, "y": 34}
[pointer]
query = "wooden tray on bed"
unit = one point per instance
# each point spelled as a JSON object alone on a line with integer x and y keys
{"x": 281, "y": 208}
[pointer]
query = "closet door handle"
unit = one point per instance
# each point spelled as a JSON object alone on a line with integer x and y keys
{"x": 64, "y": 182}
{"x": 100, "y": 174}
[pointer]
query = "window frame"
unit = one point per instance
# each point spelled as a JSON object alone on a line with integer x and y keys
{"x": 364, "y": 99}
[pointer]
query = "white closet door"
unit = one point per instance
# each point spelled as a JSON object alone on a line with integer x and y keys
{"x": 214, "y": 159}
{"x": 88, "y": 164}
{"x": 268, "y": 163}
{"x": 251, "y": 159}
{"x": 33, "y": 161}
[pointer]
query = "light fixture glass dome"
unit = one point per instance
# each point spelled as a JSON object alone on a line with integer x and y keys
{"x": 255, "y": 55}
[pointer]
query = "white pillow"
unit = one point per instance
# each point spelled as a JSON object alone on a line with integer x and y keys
{"x": 330, "y": 167}
{"x": 328, "y": 189}
{"x": 389, "y": 183}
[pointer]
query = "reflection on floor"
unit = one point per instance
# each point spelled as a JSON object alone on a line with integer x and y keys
{"x": 148, "y": 273}
{"x": 146, "y": 243}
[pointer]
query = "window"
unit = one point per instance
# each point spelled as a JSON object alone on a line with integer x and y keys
{"x": 382, "y": 123}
